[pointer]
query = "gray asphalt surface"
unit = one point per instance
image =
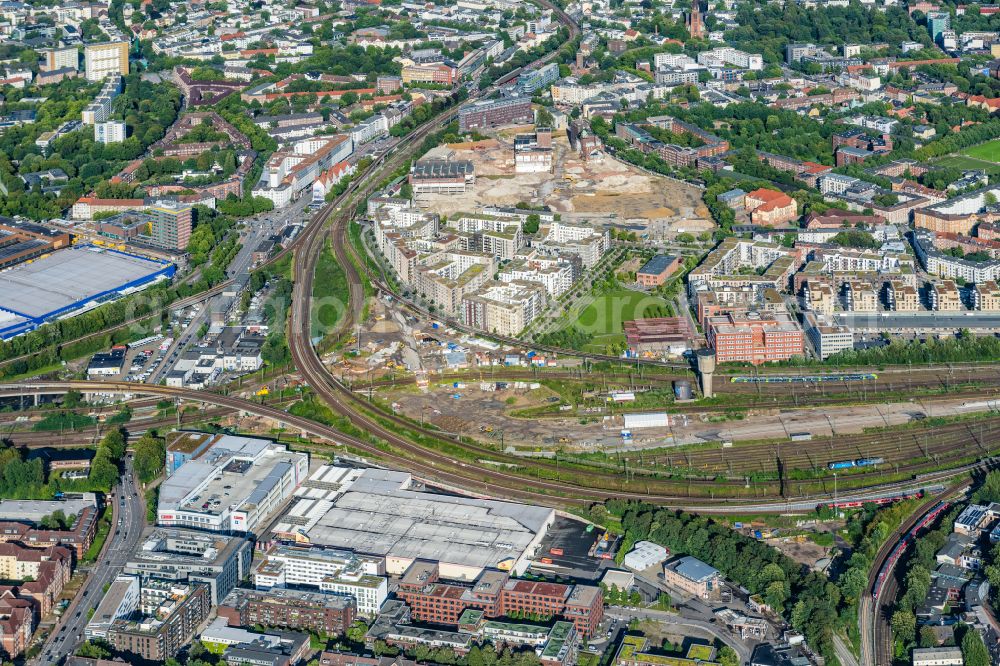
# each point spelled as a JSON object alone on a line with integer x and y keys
{"x": 127, "y": 524}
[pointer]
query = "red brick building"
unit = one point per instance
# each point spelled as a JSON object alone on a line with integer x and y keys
{"x": 498, "y": 595}
{"x": 754, "y": 338}
{"x": 78, "y": 538}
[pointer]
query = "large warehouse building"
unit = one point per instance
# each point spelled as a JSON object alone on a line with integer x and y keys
{"x": 234, "y": 486}
{"x": 377, "y": 512}
{"x": 69, "y": 282}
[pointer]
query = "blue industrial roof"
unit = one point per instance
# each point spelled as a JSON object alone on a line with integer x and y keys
{"x": 694, "y": 569}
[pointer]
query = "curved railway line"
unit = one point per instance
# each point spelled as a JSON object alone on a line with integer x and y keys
{"x": 441, "y": 469}
{"x": 879, "y": 596}
{"x": 473, "y": 461}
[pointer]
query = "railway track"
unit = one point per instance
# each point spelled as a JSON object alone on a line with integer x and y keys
{"x": 466, "y": 459}
{"x": 436, "y": 468}
{"x": 875, "y": 610}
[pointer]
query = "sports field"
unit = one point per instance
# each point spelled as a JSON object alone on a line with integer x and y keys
{"x": 989, "y": 151}
{"x": 966, "y": 163}
{"x": 984, "y": 157}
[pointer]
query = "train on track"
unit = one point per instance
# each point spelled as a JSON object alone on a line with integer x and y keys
{"x": 802, "y": 379}
{"x": 897, "y": 552}
{"x": 886, "y": 498}
{"x": 857, "y": 462}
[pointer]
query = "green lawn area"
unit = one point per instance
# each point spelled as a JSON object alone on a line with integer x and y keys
{"x": 605, "y": 316}
{"x": 967, "y": 163}
{"x": 989, "y": 151}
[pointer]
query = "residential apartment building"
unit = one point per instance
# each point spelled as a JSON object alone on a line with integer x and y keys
{"x": 960, "y": 214}
{"x": 99, "y": 110}
{"x": 61, "y": 57}
{"x": 496, "y": 595}
{"x": 902, "y": 297}
{"x": 171, "y": 615}
{"x": 986, "y": 296}
{"x": 111, "y": 131}
{"x": 583, "y": 240}
{"x": 170, "y": 226}
{"x": 504, "y": 308}
{"x": 107, "y": 59}
{"x": 944, "y": 297}
{"x": 319, "y": 612}
{"x": 859, "y": 297}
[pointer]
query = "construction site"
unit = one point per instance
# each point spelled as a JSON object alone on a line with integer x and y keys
{"x": 601, "y": 189}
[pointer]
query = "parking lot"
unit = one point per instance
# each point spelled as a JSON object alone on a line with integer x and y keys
{"x": 572, "y": 538}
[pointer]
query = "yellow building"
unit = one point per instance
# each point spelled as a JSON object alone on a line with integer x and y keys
{"x": 102, "y": 60}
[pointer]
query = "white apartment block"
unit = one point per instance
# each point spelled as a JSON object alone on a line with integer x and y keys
{"x": 503, "y": 308}
{"x": 493, "y": 235}
{"x": 555, "y": 275}
{"x": 99, "y": 110}
{"x": 445, "y": 277}
{"x": 726, "y": 55}
{"x": 679, "y": 60}
{"x": 111, "y": 131}
{"x": 588, "y": 243}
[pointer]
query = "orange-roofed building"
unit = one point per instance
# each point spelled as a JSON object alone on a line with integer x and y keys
{"x": 770, "y": 208}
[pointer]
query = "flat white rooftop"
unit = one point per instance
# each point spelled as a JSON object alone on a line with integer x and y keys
{"x": 379, "y": 515}
{"x": 69, "y": 277}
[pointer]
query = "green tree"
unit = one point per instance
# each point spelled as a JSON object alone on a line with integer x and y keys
{"x": 149, "y": 457}
{"x": 974, "y": 651}
{"x": 904, "y": 625}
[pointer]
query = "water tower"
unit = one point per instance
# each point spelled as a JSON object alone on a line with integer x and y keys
{"x": 706, "y": 368}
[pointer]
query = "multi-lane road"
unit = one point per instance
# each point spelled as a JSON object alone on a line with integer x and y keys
{"x": 129, "y": 517}
{"x": 259, "y": 229}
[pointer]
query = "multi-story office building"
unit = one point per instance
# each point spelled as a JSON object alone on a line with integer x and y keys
{"x": 754, "y": 338}
{"x": 329, "y": 569}
{"x": 183, "y": 555}
{"x": 106, "y": 59}
{"x": 496, "y": 594}
{"x": 444, "y": 73}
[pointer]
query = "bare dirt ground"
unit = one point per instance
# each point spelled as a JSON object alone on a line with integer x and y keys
{"x": 474, "y": 409}
{"x": 805, "y": 552}
{"x": 601, "y": 189}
